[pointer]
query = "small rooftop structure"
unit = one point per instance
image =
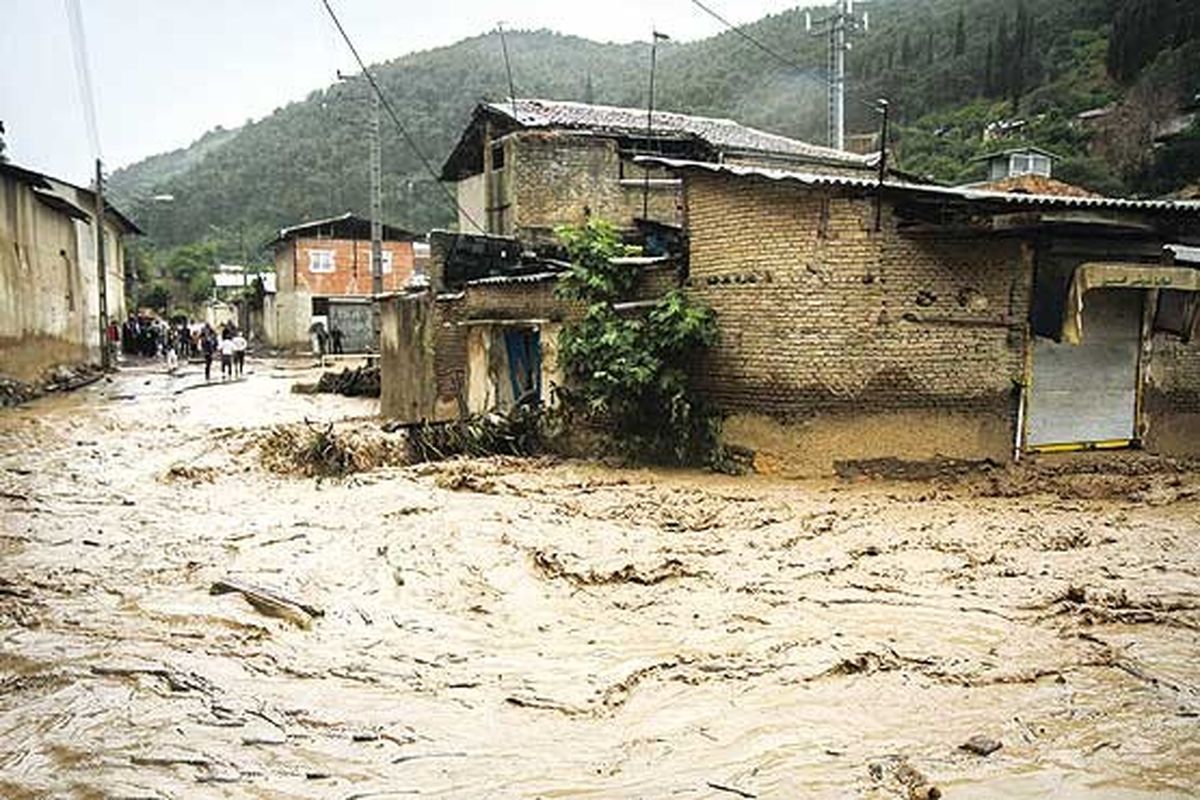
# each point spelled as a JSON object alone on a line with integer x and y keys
{"x": 346, "y": 226}
{"x": 716, "y": 138}
{"x": 1019, "y": 161}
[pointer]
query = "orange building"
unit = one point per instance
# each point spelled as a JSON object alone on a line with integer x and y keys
{"x": 323, "y": 277}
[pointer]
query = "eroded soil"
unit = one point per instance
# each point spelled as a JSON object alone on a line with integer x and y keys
{"x": 537, "y": 628}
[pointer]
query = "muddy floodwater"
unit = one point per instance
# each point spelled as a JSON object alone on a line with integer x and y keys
{"x": 553, "y": 629}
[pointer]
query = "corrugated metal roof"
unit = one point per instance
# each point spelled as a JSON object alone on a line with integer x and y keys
{"x": 501, "y": 280}
{"x": 345, "y": 226}
{"x": 949, "y": 192}
{"x": 722, "y": 134}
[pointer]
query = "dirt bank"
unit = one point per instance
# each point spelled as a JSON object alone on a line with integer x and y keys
{"x": 540, "y": 628}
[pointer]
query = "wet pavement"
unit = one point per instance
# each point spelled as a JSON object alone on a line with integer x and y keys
{"x": 537, "y": 628}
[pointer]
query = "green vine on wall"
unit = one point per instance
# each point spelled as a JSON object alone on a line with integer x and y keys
{"x": 627, "y": 372}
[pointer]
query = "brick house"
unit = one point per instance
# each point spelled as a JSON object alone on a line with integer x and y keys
{"x": 323, "y": 275}
{"x": 523, "y": 167}
{"x": 940, "y": 327}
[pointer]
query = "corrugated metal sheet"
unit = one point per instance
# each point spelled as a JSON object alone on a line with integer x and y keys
{"x": 949, "y": 192}
{"x": 501, "y": 280}
{"x": 722, "y": 134}
{"x": 1184, "y": 254}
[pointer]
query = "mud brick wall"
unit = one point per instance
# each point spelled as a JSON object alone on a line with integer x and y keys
{"x": 513, "y": 300}
{"x": 1171, "y": 399}
{"x": 559, "y": 178}
{"x": 819, "y": 312}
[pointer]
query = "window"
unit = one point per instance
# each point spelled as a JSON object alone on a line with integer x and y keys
{"x": 320, "y": 261}
{"x": 1029, "y": 164}
{"x": 386, "y": 261}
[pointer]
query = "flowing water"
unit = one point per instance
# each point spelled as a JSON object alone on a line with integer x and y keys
{"x": 503, "y": 628}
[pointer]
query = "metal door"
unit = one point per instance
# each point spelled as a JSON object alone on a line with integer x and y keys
{"x": 356, "y": 322}
{"x": 1085, "y": 395}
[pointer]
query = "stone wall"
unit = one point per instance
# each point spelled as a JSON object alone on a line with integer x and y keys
{"x": 869, "y": 344}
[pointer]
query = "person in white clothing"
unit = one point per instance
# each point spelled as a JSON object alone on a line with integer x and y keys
{"x": 239, "y": 353}
{"x": 227, "y": 348}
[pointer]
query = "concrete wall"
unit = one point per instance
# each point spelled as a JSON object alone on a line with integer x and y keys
{"x": 472, "y": 200}
{"x": 49, "y": 286}
{"x": 408, "y": 326}
{"x": 840, "y": 343}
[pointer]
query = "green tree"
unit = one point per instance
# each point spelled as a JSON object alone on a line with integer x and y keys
{"x": 960, "y": 34}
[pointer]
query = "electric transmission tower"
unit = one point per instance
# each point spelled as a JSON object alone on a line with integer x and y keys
{"x": 842, "y": 22}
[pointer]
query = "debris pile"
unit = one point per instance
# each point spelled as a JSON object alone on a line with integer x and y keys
{"x": 62, "y": 378}
{"x": 14, "y": 392}
{"x": 351, "y": 382}
{"x": 320, "y": 451}
{"x": 518, "y": 433}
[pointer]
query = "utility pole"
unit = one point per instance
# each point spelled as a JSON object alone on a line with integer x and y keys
{"x": 655, "y": 37}
{"x": 837, "y": 27}
{"x": 102, "y": 269}
{"x": 376, "y": 200}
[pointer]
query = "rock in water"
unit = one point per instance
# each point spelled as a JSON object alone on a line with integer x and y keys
{"x": 980, "y": 745}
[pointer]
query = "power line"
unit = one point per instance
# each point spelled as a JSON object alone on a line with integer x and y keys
{"x": 512, "y": 91}
{"x": 387, "y": 104}
{"x": 83, "y": 74}
{"x": 805, "y": 72}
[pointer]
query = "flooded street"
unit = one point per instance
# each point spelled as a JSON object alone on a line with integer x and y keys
{"x": 538, "y": 628}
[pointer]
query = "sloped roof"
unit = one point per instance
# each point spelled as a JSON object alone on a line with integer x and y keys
{"x": 723, "y": 136}
{"x": 1011, "y": 150}
{"x": 49, "y": 190}
{"x": 345, "y": 226}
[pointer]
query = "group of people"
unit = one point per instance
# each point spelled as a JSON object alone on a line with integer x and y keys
{"x": 326, "y": 342}
{"x": 152, "y": 337}
{"x": 230, "y": 347}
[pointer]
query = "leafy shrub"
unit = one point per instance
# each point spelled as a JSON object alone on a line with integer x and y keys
{"x": 628, "y": 373}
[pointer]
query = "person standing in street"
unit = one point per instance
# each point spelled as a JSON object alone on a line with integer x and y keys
{"x": 208, "y": 344}
{"x": 226, "y": 349}
{"x": 239, "y": 353}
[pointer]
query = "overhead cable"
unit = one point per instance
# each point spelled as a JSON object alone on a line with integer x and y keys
{"x": 387, "y": 104}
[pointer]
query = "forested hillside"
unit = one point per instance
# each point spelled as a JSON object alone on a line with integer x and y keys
{"x": 948, "y": 67}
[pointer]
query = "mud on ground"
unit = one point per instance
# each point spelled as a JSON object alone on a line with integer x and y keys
{"x": 537, "y": 628}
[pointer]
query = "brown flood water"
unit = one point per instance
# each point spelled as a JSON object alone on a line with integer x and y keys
{"x": 500, "y": 628}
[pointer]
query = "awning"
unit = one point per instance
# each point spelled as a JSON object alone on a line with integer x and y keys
{"x": 1104, "y": 275}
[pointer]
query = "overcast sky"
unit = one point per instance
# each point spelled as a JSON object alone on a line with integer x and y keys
{"x": 166, "y": 71}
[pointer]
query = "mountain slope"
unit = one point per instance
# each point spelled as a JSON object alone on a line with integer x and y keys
{"x": 948, "y": 67}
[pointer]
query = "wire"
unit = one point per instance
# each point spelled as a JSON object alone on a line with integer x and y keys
{"x": 805, "y": 72}
{"x": 387, "y": 104}
{"x": 83, "y": 73}
{"x": 512, "y": 91}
